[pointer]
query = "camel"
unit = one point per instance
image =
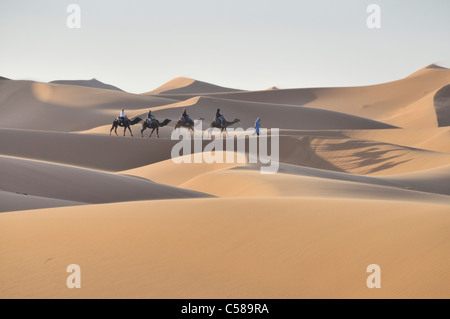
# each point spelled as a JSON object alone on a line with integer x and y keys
{"x": 155, "y": 125}
{"x": 125, "y": 124}
{"x": 217, "y": 124}
{"x": 189, "y": 125}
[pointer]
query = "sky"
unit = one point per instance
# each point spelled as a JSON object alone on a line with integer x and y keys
{"x": 138, "y": 45}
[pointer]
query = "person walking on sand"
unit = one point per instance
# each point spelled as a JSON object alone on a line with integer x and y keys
{"x": 257, "y": 126}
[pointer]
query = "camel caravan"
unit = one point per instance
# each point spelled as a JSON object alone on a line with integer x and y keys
{"x": 152, "y": 123}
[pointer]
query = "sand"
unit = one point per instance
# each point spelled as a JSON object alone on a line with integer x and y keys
{"x": 228, "y": 248}
{"x": 93, "y": 83}
{"x": 183, "y": 85}
{"x": 364, "y": 178}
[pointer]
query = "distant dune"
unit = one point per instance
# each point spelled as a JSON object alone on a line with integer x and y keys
{"x": 272, "y": 115}
{"x": 66, "y": 108}
{"x": 92, "y": 83}
{"x": 189, "y": 86}
{"x": 383, "y": 102}
{"x": 364, "y": 178}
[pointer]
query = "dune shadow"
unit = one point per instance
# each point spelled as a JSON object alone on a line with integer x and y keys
{"x": 369, "y": 155}
{"x": 442, "y": 106}
{"x": 303, "y": 153}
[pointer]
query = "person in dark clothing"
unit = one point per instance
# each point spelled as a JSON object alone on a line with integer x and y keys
{"x": 150, "y": 117}
{"x": 219, "y": 117}
{"x": 185, "y": 117}
{"x": 257, "y": 126}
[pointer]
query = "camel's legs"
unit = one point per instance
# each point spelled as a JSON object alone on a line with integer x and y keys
{"x": 221, "y": 131}
{"x": 115, "y": 131}
{"x": 143, "y": 129}
{"x": 152, "y": 131}
{"x": 131, "y": 132}
{"x": 157, "y": 131}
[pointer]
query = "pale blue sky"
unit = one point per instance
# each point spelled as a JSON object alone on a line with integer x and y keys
{"x": 247, "y": 44}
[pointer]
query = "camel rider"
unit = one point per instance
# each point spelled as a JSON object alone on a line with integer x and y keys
{"x": 185, "y": 117}
{"x": 219, "y": 118}
{"x": 150, "y": 117}
{"x": 122, "y": 116}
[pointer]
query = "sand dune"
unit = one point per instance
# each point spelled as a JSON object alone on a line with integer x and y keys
{"x": 419, "y": 114}
{"x": 109, "y": 153}
{"x": 376, "y": 102}
{"x": 364, "y": 177}
{"x": 253, "y": 184}
{"x": 170, "y": 173}
{"x": 21, "y": 201}
{"x": 434, "y": 181}
{"x": 357, "y": 156}
{"x": 66, "y": 108}
{"x": 99, "y": 108}
{"x": 243, "y": 180}
{"x": 272, "y": 115}
{"x": 92, "y": 83}
{"x": 297, "y": 181}
{"x": 433, "y": 139}
{"x": 405, "y": 103}
{"x": 250, "y": 183}
{"x": 183, "y": 85}
{"x": 41, "y": 179}
{"x": 228, "y": 248}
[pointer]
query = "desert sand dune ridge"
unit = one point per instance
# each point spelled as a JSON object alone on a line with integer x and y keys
{"x": 65, "y": 108}
{"x": 183, "y": 85}
{"x": 63, "y": 182}
{"x": 93, "y": 83}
